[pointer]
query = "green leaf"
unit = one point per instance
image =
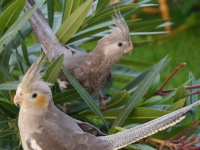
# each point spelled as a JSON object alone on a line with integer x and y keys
{"x": 11, "y": 14}
{"x": 138, "y": 115}
{"x": 86, "y": 97}
{"x": 166, "y": 99}
{"x": 105, "y": 15}
{"x": 66, "y": 96}
{"x": 192, "y": 98}
{"x": 134, "y": 83}
{"x": 101, "y": 5}
{"x": 57, "y": 6}
{"x": 24, "y": 49}
{"x": 140, "y": 92}
{"x": 13, "y": 30}
{"x": 140, "y": 146}
{"x": 153, "y": 100}
{"x": 6, "y": 133}
{"x": 53, "y": 70}
{"x": 174, "y": 132}
{"x": 153, "y": 88}
{"x": 181, "y": 93}
{"x": 5, "y": 56}
{"x": 5, "y": 72}
{"x": 4, "y": 59}
{"x": 3, "y": 122}
{"x": 119, "y": 100}
{"x": 177, "y": 105}
{"x": 9, "y": 110}
{"x": 12, "y": 85}
{"x": 68, "y": 8}
{"x": 50, "y": 8}
{"x": 20, "y": 62}
{"x": 73, "y": 22}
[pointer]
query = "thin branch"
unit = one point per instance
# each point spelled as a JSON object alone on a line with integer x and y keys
{"x": 160, "y": 91}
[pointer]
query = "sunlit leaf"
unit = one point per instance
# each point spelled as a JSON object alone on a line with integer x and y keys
{"x": 177, "y": 105}
{"x": 12, "y": 31}
{"x": 11, "y": 14}
{"x": 53, "y": 70}
{"x": 73, "y": 22}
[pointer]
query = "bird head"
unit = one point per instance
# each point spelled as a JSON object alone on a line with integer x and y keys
{"x": 118, "y": 41}
{"x": 32, "y": 92}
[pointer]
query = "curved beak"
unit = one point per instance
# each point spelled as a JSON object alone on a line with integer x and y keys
{"x": 17, "y": 100}
{"x": 129, "y": 49}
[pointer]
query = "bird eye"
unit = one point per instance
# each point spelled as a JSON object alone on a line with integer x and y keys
{"x": 120, "y": 44}
{"x": 34, "y": 95}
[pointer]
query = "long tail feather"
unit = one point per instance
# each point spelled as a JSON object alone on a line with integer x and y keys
{"x": 123, "y": 138}
{"x": 52, "y": 47}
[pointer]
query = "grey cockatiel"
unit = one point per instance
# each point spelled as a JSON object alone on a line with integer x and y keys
{"x": 43, "y": 126}
{"x": 92, "y": 69}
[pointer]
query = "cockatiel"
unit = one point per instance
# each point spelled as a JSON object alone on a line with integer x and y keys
{"x": 43, "y": 126}
{"x": 92, "y": 70}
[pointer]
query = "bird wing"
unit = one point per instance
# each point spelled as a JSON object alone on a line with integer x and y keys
{"x": 86, "y": 127}
{"x": 51, "y": 136}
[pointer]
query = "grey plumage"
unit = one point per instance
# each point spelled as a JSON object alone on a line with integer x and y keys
{"x": 43, "y": 126}
{"x": 92, "y": 70}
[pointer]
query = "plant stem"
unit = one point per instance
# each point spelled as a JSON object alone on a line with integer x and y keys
{"x": 155, "y": 140}
{"x": 193, "y": 93}
{"x": 160, "y": 90}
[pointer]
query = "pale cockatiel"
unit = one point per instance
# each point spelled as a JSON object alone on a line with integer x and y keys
{"x": 43, "y": 126}
{"x": 92, "y": 69}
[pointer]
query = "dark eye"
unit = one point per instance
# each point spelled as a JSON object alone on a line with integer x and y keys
{"x": 120, "y": 44}
{"x": 34, "y": 95}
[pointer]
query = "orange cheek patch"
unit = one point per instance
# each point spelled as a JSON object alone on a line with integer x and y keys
{"x": 41, "y": 100}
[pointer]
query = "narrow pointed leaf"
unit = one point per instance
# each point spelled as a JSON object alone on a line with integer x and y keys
{"x": 11, "y": 14}
{"x": 177, "y": 105}
{"x": 53, "y": 70}
{"x": 181, "y": 93}
{"x": 138, "y": 115}
{"x": 66, "y": 96}
{"x": 140, "y": 92}
{"x": 50, "y": 7}
{"x": 10, "y": 110}
{"x": 119, "y": 100}
{"x": 24, "y": 49}
{"x": 12, "y": 85}
{"x": 73, "y": 22}
{"x": 68, "y": 8}
{"x": 85, "y": 95}
{"x": 6, "y": 133}
{"x": 3, "y": 121}
{"x": 101, "y": 5}
{"x": 4, "y": 71}
{"x": 12, "y": 31}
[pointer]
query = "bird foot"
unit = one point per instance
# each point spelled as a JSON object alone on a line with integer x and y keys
{"x": 63, "y": 108}
{"x": 102, "y": 102}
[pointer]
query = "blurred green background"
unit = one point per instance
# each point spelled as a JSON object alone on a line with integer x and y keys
{"x": 182, "y": 43}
